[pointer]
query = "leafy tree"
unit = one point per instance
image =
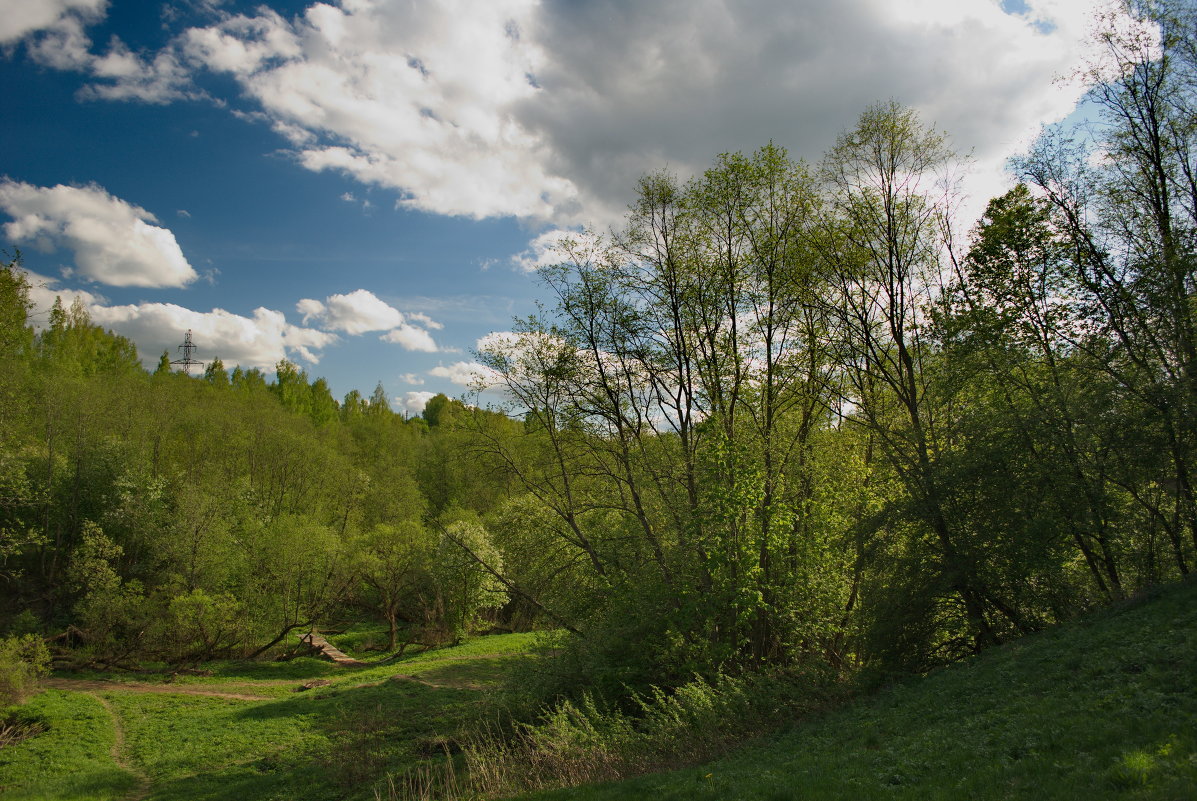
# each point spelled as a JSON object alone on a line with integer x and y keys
{"x": 248, "y": 381}
{"x": 441, "y": 409}
{"x": 1125, "y": 206}
{"x": 16, "y": 336}
{"x": 466, "y": 567}
{"x": 889, "y": 210}
{"x": 378, "y": 404}
{"x": 669, "y": 419}
{"x": 23, "y": 660}
{"x": 216, "y": 375}
{"x": 74, "y": 345}
{"x": 197, "y": 627}
{"x": 164, "y": 367}
{"x": 297, "y": 576}
{"x": 393, "y": 562}
{"x": 353, "y": 406}
{"x": 323, "y": 407}
{"x": 291, "y": 388}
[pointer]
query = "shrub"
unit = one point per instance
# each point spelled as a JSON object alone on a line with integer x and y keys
{"x": 23, "y": 660}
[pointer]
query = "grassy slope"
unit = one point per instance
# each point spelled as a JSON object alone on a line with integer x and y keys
{"x": 334, "y": 742}
{"x": 1102, "y": 709}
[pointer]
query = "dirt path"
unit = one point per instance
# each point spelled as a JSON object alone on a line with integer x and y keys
{"x": 142, "y": 788}
{"x": 99, "y": 685}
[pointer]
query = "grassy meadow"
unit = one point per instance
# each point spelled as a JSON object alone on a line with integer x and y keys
{"x": 1102, "y": 708}
{"x": 245, "y": 732}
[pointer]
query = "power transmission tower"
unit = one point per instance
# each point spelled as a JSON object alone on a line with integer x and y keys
{"x": 188, "y": 348}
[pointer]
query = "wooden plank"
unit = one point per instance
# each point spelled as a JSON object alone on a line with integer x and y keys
{"x": 328, "y": 650}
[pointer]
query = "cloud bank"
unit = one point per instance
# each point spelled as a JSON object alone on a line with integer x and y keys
{"x": 549, "y": 111}
{"x": 260, "y": 340}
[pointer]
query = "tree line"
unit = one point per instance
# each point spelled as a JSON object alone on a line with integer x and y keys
{"x": 168, "y": 517}
{"x": 788, "y": 415}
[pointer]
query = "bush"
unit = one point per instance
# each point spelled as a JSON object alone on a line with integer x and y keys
{"x": 23, "y": 660}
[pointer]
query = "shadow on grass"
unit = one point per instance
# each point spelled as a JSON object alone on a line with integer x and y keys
{"x": 89, "y": 784}
{"x": 477, "y": 674}
{"x": 258, "y": 780}
{"x": 335, "y": 744}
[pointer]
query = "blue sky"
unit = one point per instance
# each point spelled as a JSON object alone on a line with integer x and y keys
{"x": 362, "y": 186}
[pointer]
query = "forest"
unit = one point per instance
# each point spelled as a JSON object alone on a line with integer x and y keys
{"x": 788, "y": 423}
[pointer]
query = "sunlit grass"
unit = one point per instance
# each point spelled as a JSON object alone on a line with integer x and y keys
{"x": 72, "y": 759}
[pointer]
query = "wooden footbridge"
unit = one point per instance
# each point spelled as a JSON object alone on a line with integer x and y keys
{"x": 326, "y": 649}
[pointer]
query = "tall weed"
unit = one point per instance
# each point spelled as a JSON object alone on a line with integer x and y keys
{"x": 585, "y": 740}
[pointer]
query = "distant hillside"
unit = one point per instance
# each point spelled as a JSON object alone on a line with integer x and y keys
{"x": 1105, "y": 708}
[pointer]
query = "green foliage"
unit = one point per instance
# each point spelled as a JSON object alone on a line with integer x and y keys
{"x": 442, "y": 410}
{"x": 291, "y": 388}
{"x": 23, "y": 660}
{"x": 16, "y": 336}
{"x": 197, "y": 627}
{"x": 164, "y": 368}
{"x": 75, "y": 346}
{"x": 215, "y": 374}
{"x": 464, "y": 566}
{"x": 393, "y": 564}
{"x": 323, "y": 408}
{"x": 378, "y": 405}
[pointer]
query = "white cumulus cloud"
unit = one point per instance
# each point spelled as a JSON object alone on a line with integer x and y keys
{"x": 411, "y": 338}
{"x": 414, "y": 402}
{"x": 361, "y": 311}
{"x": 415, "y": 97}
{"x": 125, "y": 75}
{"x": 19, "y": 18}
{"x": 354, "y": 313}
{"x": 260, "y": 340}
{"x": 114, "y": 241}
{"x": 466, "y": 374}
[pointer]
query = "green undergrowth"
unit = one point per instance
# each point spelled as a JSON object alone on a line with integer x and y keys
{"x": 1105, "y": 708}
{"x": 338, "y": 740}
{"x": 573, "y": 743}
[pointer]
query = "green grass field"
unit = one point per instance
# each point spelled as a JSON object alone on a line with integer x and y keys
{"x": 337, "y": 741}
{"x": 72, "y": 759}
